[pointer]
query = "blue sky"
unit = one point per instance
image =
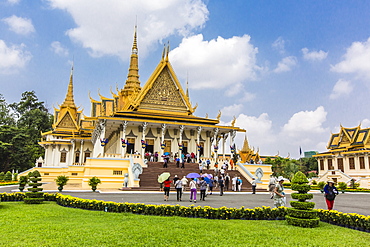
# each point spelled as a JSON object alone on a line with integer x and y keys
{"x": 290, "y": 71}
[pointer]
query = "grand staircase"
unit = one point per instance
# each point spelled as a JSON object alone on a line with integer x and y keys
{"x": 148, "y": 179}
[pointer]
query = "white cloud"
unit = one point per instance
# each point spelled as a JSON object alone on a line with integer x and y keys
{"x": 279, "y": 45}
{"x": 19, "y": 25}
{"x": 106, "y": 27}
{"x": 232, "y": 110}
{"x": 12, "y": 57}
{"x": 304, "y": 122}
{"x": 286, "y": 64}
{"x": 356, "y": 60}
{"x": 341, "y": 88}
{"x": 59, "y": 49}
{"x": 13, "y": 2}
{"x": 247, "y": 97}
{"x": 314, "y": 55}
{"x": 218, "y": 63}
{"x": 365, "y": 123}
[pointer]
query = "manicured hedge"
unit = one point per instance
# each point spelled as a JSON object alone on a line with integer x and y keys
{"x": 301, "y": 197}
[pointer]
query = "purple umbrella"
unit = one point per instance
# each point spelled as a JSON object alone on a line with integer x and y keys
{"x": 193, "y": 175}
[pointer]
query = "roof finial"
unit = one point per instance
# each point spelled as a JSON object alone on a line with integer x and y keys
{"x": 168, "y": 50}
{"x": 187, "y": 84}
{"x": 164, "y": 51}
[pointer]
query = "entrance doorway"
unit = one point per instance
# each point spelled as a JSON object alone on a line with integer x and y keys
{"x": 167, "y": 149}
{"x": 130, "y": 146}
{"x": 201, "y": 151}
{"x": 149, "y": 146}
{"x": 184, "y": 147}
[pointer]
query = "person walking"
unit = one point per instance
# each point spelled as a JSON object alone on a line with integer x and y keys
{"x": 202, "y": 188}
{"x": 200, "y": 167}
{"x": 279, "y": 198}
{"x": 240, "y": 183}
{"x": 233, "y": 183}
{"x": 221, "y": 184}
{"x": 193, "y": 190}
{"x": 254, "y": 185}
{"x": 178, "y": 186}
{"x": 210, "y": 186}
{"x": 167, "y": 187}
{"x": 272, "y": 184}
{"x": 184, "y": 183}
{"x": 330, "y": 193}
{"x": 183, "y": 163}
{"x": 227, "y": 181}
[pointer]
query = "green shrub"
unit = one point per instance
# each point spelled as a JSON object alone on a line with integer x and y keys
{"x": 302, "y": 214}
{"x": 301, "y": 197}
{"x": 302, "y": 205}
{"x": 342, "y": 186}
{"x": 35, "y": 196}
{"x": 314, "y": 182}
{"x": 8, "y": 176}
{"x": 61, "y": 181}
{"x": 15, "y": 177}
{"x": 321, "y": 185}
{"x": 301, "y": 188}
{"x": 93, "y": 182}
{"x": 2, "y": 175}
{"x": 309, "y": 223}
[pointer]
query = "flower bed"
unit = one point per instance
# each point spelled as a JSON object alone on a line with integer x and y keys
{"x": 8, "y": 183}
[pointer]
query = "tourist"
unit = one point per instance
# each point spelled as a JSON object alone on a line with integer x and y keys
{"x": 160, "y": 185}
{"x": 227, "y": 181}
{"x": 330, "y": 193}
{"x": 208, "y": 163}
{"x": 254, "y": 185}
{"x": 167, "y": 186}
{"x": 165, "y": 162}
{"x": 272, "y": 184}
{"x": 183, "y": 163}
{"x": 215, "y": 181}
{"x": 221, "y": 184}
{"x": 192, "y": 155}
{"x": 210, "y": 185}
{"x": 200, "y": 167}
{"x": 202, "y": 188}
{"x": 177, "y": 162}
{"x": 240, "y": 183}
{"x": 231, "y": 164}
{"x": 178, "y": 186}
{"x": 184, "y": 183}
{"x": 175, "y": 179}
{"x": 193, "y": 190}
{"x": 156, "y": 156}
{"x": 233, "y": 183}
{"x": 237, "y": 183}
{"x": 279, "y": 198}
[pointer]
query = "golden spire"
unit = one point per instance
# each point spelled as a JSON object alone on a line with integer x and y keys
{"x": 245, "y": 145}
{"x": 187, "y": 86}
{"x": 69, "y": 101}
{"x": 132, "y": 82}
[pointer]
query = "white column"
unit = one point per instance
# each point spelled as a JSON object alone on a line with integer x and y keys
{"x": 123, "y": 138}
{"x": 214, "y": 142}
{"x": 143, "y": 138}
{"x": 81, "y": 152}
{"x": 72, "y": 153}
{"x": 180, "y": 141}
{"x": 232, "y": 137}
{"x": 199, "y": 131}
{"x": 164, "y": 126}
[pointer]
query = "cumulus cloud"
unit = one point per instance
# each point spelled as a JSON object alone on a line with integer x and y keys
{"x": 13, "y": 2}
{"x": 314, "y": 55}
{"x": 365, "y": 123}
{"x": 304, "y": 122}
{"x": 12, "y": 57}
{"x": 356, "y": 60}
{"x": 341, "y": 88}
{"x": 279, "y": 45}
{"x": 19, "y": 25}
{"x": 218, "y": 63}
{"x": 286, "y": 64}
{"x": 232, "y": 110}
{"x": 59, "y": 49}
{"x": 106, "y": 27}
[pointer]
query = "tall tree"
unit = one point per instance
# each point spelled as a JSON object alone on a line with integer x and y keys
{"x": 6, "y": 117}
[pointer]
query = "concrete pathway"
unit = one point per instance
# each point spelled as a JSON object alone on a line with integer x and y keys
{"x": 347, "y": 202}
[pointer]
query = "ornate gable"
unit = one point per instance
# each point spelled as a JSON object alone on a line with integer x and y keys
{"x": 162, "y": 92}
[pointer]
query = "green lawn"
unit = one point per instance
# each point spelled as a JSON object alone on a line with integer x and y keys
{"x": 48, "y": 224}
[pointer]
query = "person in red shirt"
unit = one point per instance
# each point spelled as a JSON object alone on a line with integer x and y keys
{"x": 167, "y": 186}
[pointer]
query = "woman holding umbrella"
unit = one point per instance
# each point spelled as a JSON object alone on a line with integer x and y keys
{"x": 193, "y": 190}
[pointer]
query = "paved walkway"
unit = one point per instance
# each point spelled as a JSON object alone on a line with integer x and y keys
{"x": 347, "y": 202}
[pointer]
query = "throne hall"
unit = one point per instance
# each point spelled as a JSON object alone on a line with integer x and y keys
{"x": 112, "y": 142}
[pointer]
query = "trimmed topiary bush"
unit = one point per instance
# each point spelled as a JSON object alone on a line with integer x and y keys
{"x": 8, "y": 176}
{"x": 2, "y": 175}
{"x": 34, "y": 196}
{"x": 302, "y": 214}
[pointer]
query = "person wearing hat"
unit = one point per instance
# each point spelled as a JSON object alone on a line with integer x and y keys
{"x": 330, "y": 193}
{"x": 279, "y": 198}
